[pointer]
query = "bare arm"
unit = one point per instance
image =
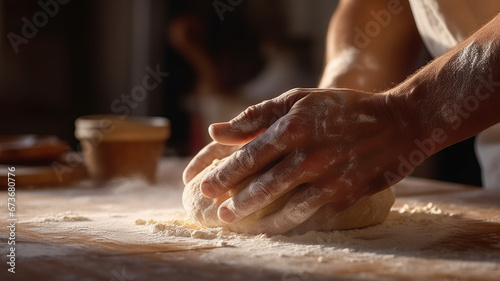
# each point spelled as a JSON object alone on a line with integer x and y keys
{"x": 336, "y": 146}
{"x": 457, "y": 95}
{"x": 371, "y": 63}
{"x": 371, "y": 45}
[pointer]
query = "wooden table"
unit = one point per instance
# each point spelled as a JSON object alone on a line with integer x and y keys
{"x": 457, "y": 239}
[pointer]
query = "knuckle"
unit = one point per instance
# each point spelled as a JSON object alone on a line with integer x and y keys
{"x": 292, "y": 125}
{"x": 245, "y": 160}
{"x": 250, "y": 114}
{"x": 312, "y": 197}
{"x": 220, "y": 179}
{"x": 278, "y": 112}
{"x": 295, "y": 91}
{"x": 261, "y": 193}
{"x": 314, "y": 163}
{"x": 298, "y": 214}
{"x": 293, "y": 95}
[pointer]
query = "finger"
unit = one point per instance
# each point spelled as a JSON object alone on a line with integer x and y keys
{"x": 243, "y": 163}
{"x": 255, "y": 119}
{"x": 204, "y": 158}
{"x": 281, "y": 138}
{"x": 301, "y": 206}
{"x": 267, "y": 188}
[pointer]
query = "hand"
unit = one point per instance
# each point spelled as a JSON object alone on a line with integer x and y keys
{"x": 331, "y": 146}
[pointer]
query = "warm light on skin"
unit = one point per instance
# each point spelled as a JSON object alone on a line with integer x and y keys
{"x": 398, "y": 117}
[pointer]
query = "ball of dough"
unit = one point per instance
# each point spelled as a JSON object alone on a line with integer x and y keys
{"x": 203, "y": 211}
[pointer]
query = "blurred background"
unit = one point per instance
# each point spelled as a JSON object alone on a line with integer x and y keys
{"x": 194, "y": 62}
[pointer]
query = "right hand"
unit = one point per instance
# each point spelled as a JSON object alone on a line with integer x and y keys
{"x": 331, "y": 146}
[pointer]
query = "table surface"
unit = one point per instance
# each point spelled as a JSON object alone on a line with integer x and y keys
{"x": 435, "y": 231}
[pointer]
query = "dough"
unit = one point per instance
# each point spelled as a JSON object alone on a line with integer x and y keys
{"x": 203, "y": 211}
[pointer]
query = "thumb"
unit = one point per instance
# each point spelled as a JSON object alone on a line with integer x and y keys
{"x": 255, "y": 120}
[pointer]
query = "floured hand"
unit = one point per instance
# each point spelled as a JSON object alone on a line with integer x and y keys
{"x": 332, "y": 144}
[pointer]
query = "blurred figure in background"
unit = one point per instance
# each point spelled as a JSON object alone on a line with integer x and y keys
{"x": 236, "y": 62}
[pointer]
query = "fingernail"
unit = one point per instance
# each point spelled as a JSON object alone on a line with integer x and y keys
{"x": 226, "y": 215}
{"x": 212, "y": 129}
{"x": 221, "y": 125}
{"x": 208, "y": 190}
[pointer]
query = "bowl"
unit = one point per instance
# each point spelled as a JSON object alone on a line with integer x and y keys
{"x": 122, "y": 147}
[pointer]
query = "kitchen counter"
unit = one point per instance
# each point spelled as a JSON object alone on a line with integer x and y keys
{"x": 131, "y": 231}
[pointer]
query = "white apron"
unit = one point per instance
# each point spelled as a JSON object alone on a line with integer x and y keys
{"x": 442, "y": 25}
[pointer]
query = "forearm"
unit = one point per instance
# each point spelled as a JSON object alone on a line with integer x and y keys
{"x": 370, "y": 61}
{"x": 457, "y": 95}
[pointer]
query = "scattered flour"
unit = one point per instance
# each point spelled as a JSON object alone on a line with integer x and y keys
{"x": 140, "y": 222}
{"x": 428, "y": 209}
{"x": 61, "y": 217}
{"x": 184, "y": 228}
{"x": 401, "y": 231}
